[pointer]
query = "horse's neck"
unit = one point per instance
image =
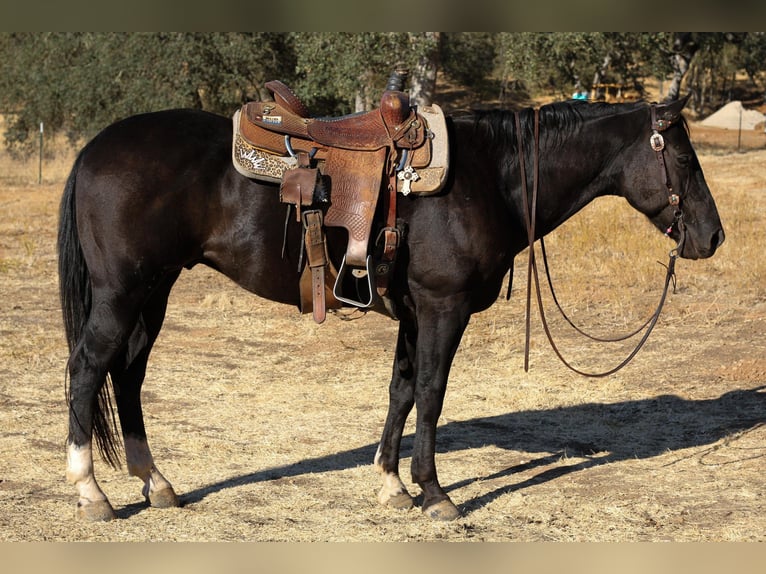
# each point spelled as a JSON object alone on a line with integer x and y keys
{"x": 556, "y": 203}
{"x": 574, "y": 174}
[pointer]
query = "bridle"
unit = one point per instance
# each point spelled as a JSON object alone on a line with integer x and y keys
{"x": 658, "y": 145}
{"x": 657, "y": 142}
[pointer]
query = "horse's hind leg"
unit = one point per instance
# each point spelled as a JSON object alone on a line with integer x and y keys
{"x": 127, "y": 380}
{"x": 401, "y": 399}
{"x": 107, "y": 330}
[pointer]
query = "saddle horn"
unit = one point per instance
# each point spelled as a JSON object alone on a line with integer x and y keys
{"x": 398, "y": 78}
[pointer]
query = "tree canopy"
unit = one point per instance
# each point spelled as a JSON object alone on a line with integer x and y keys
{"x": 79, "y": 82}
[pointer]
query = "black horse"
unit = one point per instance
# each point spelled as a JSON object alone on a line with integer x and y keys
{"x": 155, "y": 193}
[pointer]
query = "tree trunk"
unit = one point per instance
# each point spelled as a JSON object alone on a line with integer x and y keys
{"x": 423, "y": 82}
{"x": 680, "y": 67}
{"x": 599, "y": 90}
{"x": 362, "y": 99}
{"x": 684, "y": 47}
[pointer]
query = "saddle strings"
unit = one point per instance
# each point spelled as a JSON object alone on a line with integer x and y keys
{"x": 530, "y": 217}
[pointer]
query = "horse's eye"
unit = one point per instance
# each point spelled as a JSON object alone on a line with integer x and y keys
{"x": 683, "y": 161}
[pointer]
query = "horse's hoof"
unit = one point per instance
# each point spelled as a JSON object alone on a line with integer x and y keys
{"x": 165, "y": 498}
{"x": 99, "y": 511}
{"x": 400, "y": 501}
{"x": 443, "y": 511}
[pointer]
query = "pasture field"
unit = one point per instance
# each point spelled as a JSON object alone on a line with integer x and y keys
{"x": 267, "y": 424}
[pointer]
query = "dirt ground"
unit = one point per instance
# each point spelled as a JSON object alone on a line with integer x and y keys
{"x": 267, "y": 424}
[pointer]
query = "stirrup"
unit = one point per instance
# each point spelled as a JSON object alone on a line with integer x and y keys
{"x": 339, "y": 282}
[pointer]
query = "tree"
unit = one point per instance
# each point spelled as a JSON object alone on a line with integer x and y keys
{"x": 685, "y": 45}
{"x": 629, "y": 58}
{"x": 77, "y": 83}
{"x": 222, "y": 70}
{"x": 752, "y": 58}
{"x": 550, "y": 61}
{"x": 344, "y": 72}
{"x": 561, "y": 62}
{"x": 712, "y": 61}
{"x": 424, "y": 75}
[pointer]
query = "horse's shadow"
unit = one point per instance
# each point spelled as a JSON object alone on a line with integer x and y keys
{"x": 595, "y": 432}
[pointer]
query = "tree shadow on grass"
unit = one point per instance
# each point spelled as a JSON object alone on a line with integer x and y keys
{"x": 598, "y": 432}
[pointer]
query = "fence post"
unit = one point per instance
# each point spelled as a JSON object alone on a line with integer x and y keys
{"x": 40, "y": 164}
{"x": 739, "y": 131}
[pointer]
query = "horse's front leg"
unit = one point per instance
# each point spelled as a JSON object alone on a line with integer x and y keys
{"x": 401, "y": 398}
{"x": 441, "y": 324}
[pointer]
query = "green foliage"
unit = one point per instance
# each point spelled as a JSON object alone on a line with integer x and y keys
{"x": 337, "y": 67}
{"x": 559, "y": 62}
{"x": 752, "y": 57}
{"x": 77, "y": 82}
{"x": 719, "y": 57}
{"x": 468, "y": 57}
{"x": 358, "y": 64}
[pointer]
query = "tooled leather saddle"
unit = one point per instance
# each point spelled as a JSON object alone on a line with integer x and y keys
{"x": 332, "y": 171}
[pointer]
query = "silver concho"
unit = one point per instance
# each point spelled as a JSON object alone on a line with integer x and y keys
{"x": 657, "y": 141}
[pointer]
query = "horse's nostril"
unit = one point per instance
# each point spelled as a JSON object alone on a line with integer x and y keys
{"x": 718, "y": 239}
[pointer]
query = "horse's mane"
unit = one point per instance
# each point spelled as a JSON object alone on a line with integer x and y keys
{"x": 559, "y": 121}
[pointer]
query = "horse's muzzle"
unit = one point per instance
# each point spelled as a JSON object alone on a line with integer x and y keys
{"x": 695, "y": 248}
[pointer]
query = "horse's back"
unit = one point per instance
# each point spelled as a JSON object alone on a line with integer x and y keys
{"x": 166, "y": 138}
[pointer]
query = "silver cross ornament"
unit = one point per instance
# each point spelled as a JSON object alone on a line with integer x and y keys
{"x": 407, "y": 176}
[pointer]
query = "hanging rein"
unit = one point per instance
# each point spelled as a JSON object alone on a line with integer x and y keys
{"x": 530, "y": 211}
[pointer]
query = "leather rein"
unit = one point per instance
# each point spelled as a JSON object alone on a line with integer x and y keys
{"x": 657, "y": 143}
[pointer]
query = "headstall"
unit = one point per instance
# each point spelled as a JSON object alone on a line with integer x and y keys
{"x": 657, "y": 142}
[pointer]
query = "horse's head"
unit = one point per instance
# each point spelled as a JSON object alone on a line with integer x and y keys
{"x": 665, "y": 182}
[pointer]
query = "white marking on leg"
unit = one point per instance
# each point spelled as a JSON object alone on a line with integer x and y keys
{"x": 393, "y": 490}
{"x": 141, "y": 464}
{"x": 79, "y": 471}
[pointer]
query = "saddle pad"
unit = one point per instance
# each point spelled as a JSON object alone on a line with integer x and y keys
{"x": 430, "y": 161}
{"x": 254, "y": 162}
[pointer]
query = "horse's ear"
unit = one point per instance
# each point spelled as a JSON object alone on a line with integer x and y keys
{"x": 670, "y": 111}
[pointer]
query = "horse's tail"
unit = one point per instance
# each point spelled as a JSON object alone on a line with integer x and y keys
{"x": 74, "y": 278}
{"x": 75, "y": 295}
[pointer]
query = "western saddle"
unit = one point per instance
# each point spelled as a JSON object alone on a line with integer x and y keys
{"x": 332, "y": 171}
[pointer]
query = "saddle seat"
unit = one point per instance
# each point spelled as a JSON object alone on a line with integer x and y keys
{"x": 365, "y": 131}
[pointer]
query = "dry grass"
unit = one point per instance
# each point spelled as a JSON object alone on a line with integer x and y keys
{"x": 265, "y": 441}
